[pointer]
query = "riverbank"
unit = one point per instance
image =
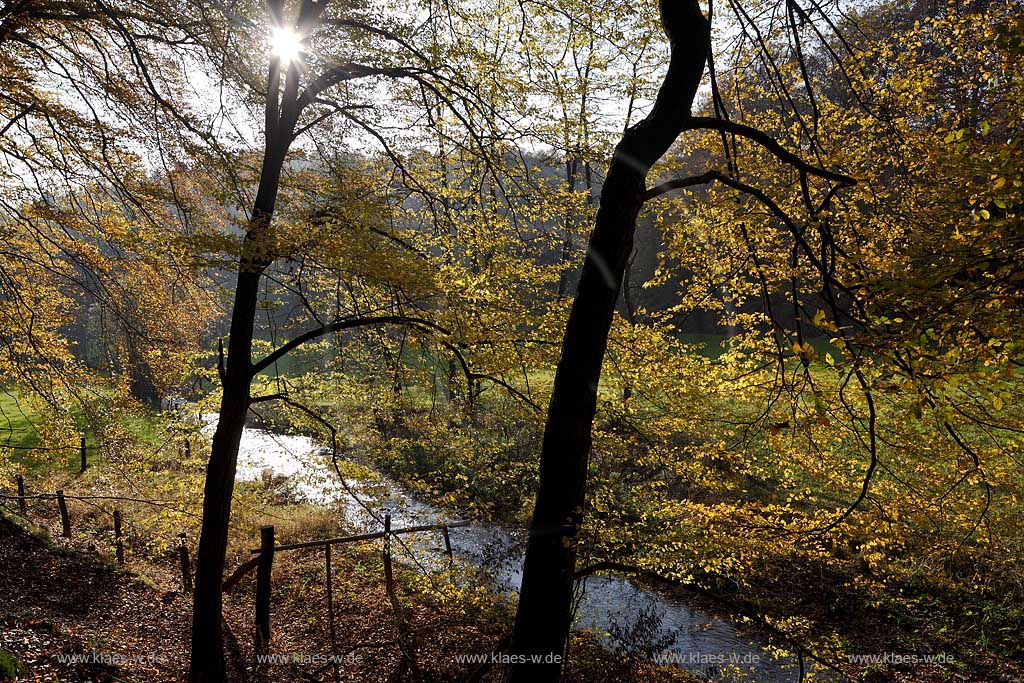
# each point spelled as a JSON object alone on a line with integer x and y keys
{"x": 69, "y": 614}
{"x": 628, "y": 618}
{"x": 830, "y": 599}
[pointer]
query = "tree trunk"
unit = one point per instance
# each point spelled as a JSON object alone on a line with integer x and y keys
{"x": 566, "y": 272}
{"x": 207, "y": 660}
{"x": 543, "y": 617}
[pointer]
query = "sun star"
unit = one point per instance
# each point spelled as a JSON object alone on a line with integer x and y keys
{"x": 285, "y": 45}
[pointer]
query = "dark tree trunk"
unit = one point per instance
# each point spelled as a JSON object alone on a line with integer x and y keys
{"x": 207, "y": 658}
{"x": 207, "y": 661}
{"x": 543, "y": 616}
{"x": 141, "y": 383}
{"x": 142, "y": 386}
{"x": 566, "y": 257}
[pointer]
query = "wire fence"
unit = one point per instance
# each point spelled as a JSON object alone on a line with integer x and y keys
{"x": 22, "y": 499}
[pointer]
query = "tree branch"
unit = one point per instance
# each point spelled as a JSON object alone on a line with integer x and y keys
{"x": 769, "y": 143}
{"x": 768, "y": 202}
{"x": 22, "y": 114}
{"x": 337, "y": 326}
{"x": 347, "y": 72}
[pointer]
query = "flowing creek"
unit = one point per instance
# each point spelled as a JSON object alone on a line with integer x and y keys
{"x": 692, "y": 640}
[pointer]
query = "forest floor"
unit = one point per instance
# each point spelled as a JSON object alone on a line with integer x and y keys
{"x": 69, "y": 614}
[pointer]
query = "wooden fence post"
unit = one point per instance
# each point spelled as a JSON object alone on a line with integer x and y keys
{"x": 82, "y": 451}
{"x": 186, "y": 564}
{"x": 263, "y": 569}
{"x": 330, "y": 600}
{"x": 389, "y": 578}
{"x": 387, "y": 550}
{"x": 22, "y": 504}
{"x": 447, "y": 541}
{"x": 118, "y": 544}
{"x": 404, "y": 641}
{"x": 65, "y": 521}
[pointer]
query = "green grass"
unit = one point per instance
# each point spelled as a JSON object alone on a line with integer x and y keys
{"x": 19, "y": 432}
{"x": 10, "y": 667}
{"x": 142, "y": 427}
{"x": 17, "y": 422}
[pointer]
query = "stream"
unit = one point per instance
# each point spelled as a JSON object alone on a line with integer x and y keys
{"x": 708, "y": 646}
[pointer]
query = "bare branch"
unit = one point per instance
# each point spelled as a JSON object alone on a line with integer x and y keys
{"x": 22, "y": 114}
{"x": 337, "y": 326}
{"x": 770, "y": 144}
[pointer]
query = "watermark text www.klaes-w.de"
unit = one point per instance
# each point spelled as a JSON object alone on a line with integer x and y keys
{"x": 897, "y": 658}
{"x": 309, "y": 659}
{"x": 111, "y": 658}
{"x": 507, "y": 658}
{"x": 707, "y": 659}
